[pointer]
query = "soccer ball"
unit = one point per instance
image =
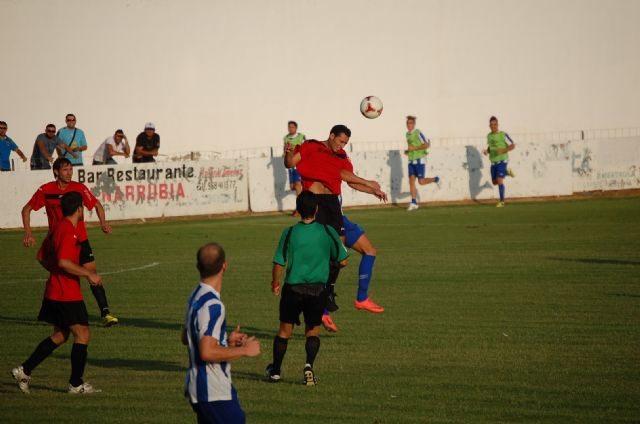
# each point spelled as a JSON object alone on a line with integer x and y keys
{"x": 371, "y": 107}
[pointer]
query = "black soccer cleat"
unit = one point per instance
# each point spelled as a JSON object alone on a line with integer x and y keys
{"x": 272, "y": 377}
{"x": 309, "y": 376}
{"x": 332, "y": 306}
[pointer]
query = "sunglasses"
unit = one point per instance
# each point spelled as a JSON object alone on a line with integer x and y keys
{"x": 3, "y": 128}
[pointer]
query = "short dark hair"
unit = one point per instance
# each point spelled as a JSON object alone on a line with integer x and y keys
{"x": 3, "y": 123}
{"x": 340, "y": 129}
{"x": 50, "y": 126}
{"x": 70, "y": 202}
{"x": 493, "y": 118}
{"x": 210, "y": 259}
{"x": 306, "y": 204}
{"x": 411, "y": 118}
{"x": 119, "y": 132}
{"x": 70, "y": 114}
{"x": 294, "y": 123}
{"x": 59, "y": 163}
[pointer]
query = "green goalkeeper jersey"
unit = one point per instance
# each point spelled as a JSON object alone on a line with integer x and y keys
{"x": 495, "y": 141}
{"x": 416, "y": 138}
{"x": 295, "y": 140}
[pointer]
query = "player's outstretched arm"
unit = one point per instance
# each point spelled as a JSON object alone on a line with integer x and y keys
{"x": 212, "y": 351}
{"x": 28, "y": 239}
{"x": 366, "y": 189}
{"x": 351, "y": 178}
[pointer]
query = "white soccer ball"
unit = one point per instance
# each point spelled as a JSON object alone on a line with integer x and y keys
{"x": 371, "y": 107}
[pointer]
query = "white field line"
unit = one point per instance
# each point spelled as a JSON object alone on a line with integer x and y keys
{"x": 119, "y": 271}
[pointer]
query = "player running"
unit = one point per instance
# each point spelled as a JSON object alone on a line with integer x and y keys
{"x": 306, "y": 250}
{"x": 49, "y": 195}
{"x": 294, "y": 138}
{"x": 323, "y": 165}
{"x": 499, "y": 144}
{"x": 417, "y": 152}
{"x": 63, "y": 305}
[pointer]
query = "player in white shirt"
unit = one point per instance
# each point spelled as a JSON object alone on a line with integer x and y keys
{"x": 208, "y": 385}
{"x": 116, "y": 145}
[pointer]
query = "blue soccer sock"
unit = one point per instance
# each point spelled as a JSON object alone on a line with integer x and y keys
{"x": 364, "y": 276}
{"x": 501, "y": 190}
{"x": 414, "y": 201}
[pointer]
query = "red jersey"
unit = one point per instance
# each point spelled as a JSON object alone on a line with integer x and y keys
{"x": 318, "y": 163}
{"x": 49, "y": 195}
{"x": 62, "y": 243}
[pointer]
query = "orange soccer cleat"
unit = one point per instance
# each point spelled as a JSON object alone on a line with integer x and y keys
{"x": 328, "y": 324}
{"x": 369, "y": 305}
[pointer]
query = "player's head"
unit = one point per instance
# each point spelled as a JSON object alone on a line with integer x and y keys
{"x": 411, "y": 122}
{"x": 118, "y": 136}
{"x": 50, "y": 130}
{"x": 292, "y": 126}
{"x": 70, "y": 119}
{"x": 339, "y": 137}
{"x": 3, "y": 128}
{"x": 211, "y": 260}
{"x": 62, "y": 170}
{"x": 71, "y": 203}
{"x": 307, "y": 204}
{"x": 493, "y": 124}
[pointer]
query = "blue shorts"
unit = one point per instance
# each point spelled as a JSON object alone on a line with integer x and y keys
{"x": 294, "y": 176}
{"x": 417, "y": 168}
{"x": 352, "y": 232}
{"x": 220, "y": 412}
{"x": 498, "y": 170}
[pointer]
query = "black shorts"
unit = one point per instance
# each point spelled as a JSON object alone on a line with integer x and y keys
{"x": 63, "y": 314}
{"x": 310, "y": 299}
{"x": 86, "y": 253}
{"x": 330, "y": 212}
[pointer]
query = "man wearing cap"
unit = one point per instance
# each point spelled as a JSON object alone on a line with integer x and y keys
{"x": 147, "y": 144}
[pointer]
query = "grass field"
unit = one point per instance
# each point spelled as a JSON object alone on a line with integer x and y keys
{"x": 525, "y": 314}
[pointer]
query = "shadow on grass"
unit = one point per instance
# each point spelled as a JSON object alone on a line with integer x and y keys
{"x": 598, "y": 261}
{"x": 624, "y": 295}
{"x": 139, "y": 323}
{"x": 24, "y": 321}
{"x": 239, "y": 375}
{"x": 136, "y": 364}
{"x": 13, "y": 388}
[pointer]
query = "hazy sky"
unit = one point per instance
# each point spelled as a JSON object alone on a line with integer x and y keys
{"x": 221, "y": 75}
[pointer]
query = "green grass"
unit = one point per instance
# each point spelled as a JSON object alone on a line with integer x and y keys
{"x": 525, "y": 314}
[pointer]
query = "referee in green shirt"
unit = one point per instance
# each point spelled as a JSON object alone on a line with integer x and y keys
{"x": 303, "y": 255}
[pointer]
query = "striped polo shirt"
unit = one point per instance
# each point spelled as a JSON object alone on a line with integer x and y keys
{"x": 206, "y": 381}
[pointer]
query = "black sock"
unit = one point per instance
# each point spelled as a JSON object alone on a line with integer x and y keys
{"x": 279, "y": 349}
{"x": 334, "y": 271}
{"x": 101, "y": 298}
{"x": 43, "y": 350}
{"x": 78, "y": 361}
{"x": 312, "y": 346}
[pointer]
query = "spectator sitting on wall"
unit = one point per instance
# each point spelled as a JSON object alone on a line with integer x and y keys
{"x": 74, "y": 138}
{"x": 116, "y": 145}
{"x": 6, "y": 147}
{"x": 45, "y": 144}
{"x": 147, "y": 144}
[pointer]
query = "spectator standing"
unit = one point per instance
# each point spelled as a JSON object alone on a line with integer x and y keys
{"x": 116, "y": 145}
{"x": 45, "y": 144}
{"x": 6, "y": 147}
{"x": 74, "y": 138}
{"x": 147, "y": 144}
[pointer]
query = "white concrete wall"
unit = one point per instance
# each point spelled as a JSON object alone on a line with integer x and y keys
{"x": 223, "y": 74}
{"x": 140, "y": 190}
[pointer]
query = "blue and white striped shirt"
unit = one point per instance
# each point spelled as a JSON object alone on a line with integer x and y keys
{"x": 206, "y": 381}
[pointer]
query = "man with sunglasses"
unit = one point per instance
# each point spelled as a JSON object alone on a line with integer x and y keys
{"x": 44, "y": 146}
{"x": 74, "y": 138}
{"x": 6, "y": 147}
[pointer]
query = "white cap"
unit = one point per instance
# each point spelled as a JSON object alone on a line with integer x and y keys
{"x": 149, "y": 126}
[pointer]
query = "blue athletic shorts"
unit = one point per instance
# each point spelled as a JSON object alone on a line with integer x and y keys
{"x": 294, "y": 176}
{"x": 417, "y": 168}
{"x": 352, "y": 232}
{"x": 498, "y": 170}
{"x": 221, "y": 411}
